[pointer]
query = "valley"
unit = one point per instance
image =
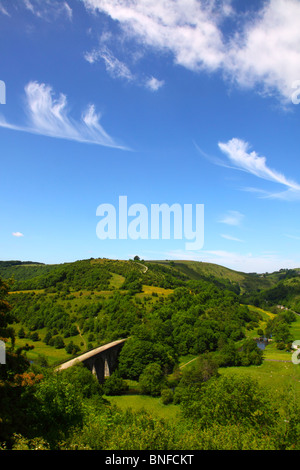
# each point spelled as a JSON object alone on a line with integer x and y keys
{"x": 187, "y": 323}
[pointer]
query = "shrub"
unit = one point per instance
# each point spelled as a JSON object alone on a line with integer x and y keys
{"x": 152, "y": 380}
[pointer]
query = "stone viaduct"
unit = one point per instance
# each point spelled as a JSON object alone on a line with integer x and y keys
{"x": 100, "y": 361}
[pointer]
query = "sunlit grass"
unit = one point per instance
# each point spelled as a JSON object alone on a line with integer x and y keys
{"x": 144, "y": 402}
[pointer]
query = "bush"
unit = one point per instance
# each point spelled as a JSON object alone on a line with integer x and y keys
{"x": 166, "y": 396}
{"x": 152, "y": 380}
{"x": 82, "y": 380}
{"x": 231, "y": 400}
{"x": 114, "y": 385}
{"x": 58, "y": 342}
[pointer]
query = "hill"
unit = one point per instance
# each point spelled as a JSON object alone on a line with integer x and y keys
{"x": 102, "y": 273}
{"x": 240, "y": 281}
{"x": 188, "y": 307}
{"x": 90, "y": 302}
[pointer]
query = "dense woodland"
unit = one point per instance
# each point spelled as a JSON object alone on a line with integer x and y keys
{"x": 201, "y": 314}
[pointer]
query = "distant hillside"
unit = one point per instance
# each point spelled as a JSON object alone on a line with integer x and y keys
{"x": 22, "y": 270}
{"x": 106, "y": 274}
{"x": 242, "y": 282}
{"x": 284, "y": 291}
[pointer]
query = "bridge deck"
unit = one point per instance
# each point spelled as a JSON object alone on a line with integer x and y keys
{"x": 89, "y": 354}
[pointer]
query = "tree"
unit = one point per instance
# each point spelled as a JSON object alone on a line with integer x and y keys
{"x": 59, "y": 342}
{"x": 21, "y": 333}
{"x": 152, "y": 380}
{"x": 57, "y": 407}
{"x": 201, "y": 371}
{"x": 12, "y": 414}
{"x": 16, "y": 363}
{"x": 231, "y": 400}
{"x": 229, "y": 355}
{"x": 114, "y": 384}
{"x": 134, "y": 357}
{"x": 85, "y": 383}
{"x": 251, "y": 354}
{"x": 282, "y": 333}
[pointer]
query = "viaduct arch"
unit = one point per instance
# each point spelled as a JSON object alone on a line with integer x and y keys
{"x": 100, "y": 361}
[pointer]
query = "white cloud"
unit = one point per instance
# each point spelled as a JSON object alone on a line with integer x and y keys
{"x": 230, "y": 237}
{"x": 293, "y": 237}
{"x": 68, "y": 10}
{"x": 48, "y": 116}
{"x": 3, "y": 10}
{"x": 115, "y": 67}
{"x": 267, "y": 51}
{"x": 154, "y": 84}
{"x": 118, "y": 69}
{"x": 182, "y": 27}
{"x": 232, "y": 218}
{"x": 263, "y": 51}
{"x": 244, "y": 262}
{"x": 241, "y": 158}
{"x": 49, "y": 9}
{"x": 17, "y": 234}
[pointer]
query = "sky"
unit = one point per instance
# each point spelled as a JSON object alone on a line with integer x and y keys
{"x": 186, "y": 102}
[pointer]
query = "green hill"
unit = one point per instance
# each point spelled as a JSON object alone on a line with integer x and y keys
{"x": 99, "y": 274}
{"x": 192, "y": 306}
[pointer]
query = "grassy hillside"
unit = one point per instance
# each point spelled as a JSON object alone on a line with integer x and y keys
{"x": 239, "y": 281}
{"x": 90, "y": 302}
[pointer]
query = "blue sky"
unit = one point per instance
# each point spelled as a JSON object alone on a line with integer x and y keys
{"x": 182, "y": 101}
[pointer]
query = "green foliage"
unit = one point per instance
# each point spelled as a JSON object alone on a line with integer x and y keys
{"x": 279, "y": 328}
{"x": 152, "y": 380}
{"x": 230, "y": 400}
{"x": 59, "y": 401}
{"x": 137, "y": 353}
{"x": 85, "y": 383}
{"x": 203, "y": 316}
{"x": 114, "y": 384}
{"x": 166, "y": 396}
{"x": 192, "y": 378}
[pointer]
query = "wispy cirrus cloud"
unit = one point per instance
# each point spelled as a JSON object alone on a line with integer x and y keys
{"x": 3, "y": 10}
{"x": 17, "y": 234}
{"x": 232, "y": 218}
{"x": 49, "y": 9}
{"x": 48, "y": 116}
{"x": 115, "y": 67}
{"x": 244, "y": 262}
{"x": 241, "y": 158}
{"x": 231, "y": 238}
{"x": 119, "y": 69}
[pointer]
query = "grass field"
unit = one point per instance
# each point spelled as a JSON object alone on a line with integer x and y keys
{"x": 276, "y": 376}
{"x": 142, "y": 402}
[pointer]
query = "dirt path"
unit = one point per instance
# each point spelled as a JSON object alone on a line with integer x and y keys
{"x": 78, "y": 329}
{"x": 192, "y": 360}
